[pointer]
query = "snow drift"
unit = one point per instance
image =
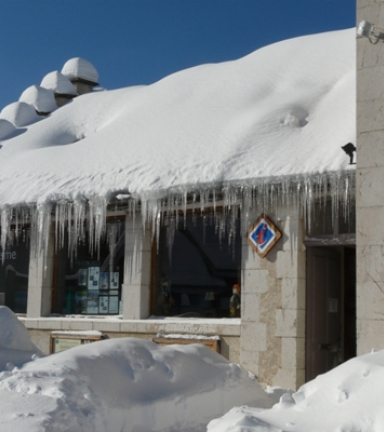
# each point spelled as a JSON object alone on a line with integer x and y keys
{"x": 124, "y": 385}
{"x": 15, "y": 345}
{"x": 346, "y": 399}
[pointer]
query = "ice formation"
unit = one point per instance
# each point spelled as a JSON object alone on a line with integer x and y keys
{"x": 263, "y": 132}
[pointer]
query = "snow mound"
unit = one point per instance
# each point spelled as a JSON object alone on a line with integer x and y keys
{"x": 58, "y": 84}
{"x": 125, "y": 385}
{"x": 15, "y": 345}
{"x": 283, "y": 111}
{"x": 348, "y": 398}
{"x": 19, "y": 114}
{"x": 40, "y": 98}
{"x": 80, "y": 68}
{"x": 6, "y": 129}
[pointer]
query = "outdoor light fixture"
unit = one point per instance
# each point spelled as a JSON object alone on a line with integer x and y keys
{"x": 350, "y": 149}
{"x": 369, "y": 31}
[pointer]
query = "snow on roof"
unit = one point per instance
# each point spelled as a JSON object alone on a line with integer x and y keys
{"x": 19, "y": 114}
{"x": 78, "y": 67}
{"x": 40, "y": 98}
{"x": 58, "y": 83}
{"x": 281, "y": 112}
{"x": 6, "y": 128}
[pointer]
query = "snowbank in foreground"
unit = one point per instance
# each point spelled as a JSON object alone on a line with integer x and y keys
{"x": 15, "y": 345}
{"x": 124, "y": 385}
{"x": 347, "y": 399}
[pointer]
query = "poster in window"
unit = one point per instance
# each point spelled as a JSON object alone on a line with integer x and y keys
{"x": 93, "y": 302}
{"x": 114, "y": 305}
{"x": 104, "y": 280}
{"x": 81, "y": 302}
{"x": 103, "y": 304}
{"x": 93, "y": 278}
{"x": 82, "y": 277}
{"x": 114, "y": 281}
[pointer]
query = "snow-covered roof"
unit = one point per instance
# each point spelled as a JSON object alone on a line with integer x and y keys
{"x": 40, "y": 98}
{"x": 19, "y": 114}
{"x": 79, "y": 68}
{"x": 283, "y": 111}
{"x": 58, "y": 84}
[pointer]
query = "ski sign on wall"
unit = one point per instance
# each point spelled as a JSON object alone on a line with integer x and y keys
{"x": 263, "y": 235}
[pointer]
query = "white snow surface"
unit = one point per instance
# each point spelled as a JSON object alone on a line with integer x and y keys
{"x": 283, "y": 111}
{"x": 40, "y": 98}
{"x": 346, "y": 399}
{"x": 15, "y": 345}
{"x": 124, "y": 385}
{"x": 6, "y": 128}
{"x": 129, "y": 384}
{"x": 58, "y": 83}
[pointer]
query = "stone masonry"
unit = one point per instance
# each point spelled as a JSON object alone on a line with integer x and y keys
{"x": 369, "y": 183}
{"x": 273, "y": 305}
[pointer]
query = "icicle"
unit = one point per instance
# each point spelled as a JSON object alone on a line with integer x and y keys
{"x": 5, "y": 229}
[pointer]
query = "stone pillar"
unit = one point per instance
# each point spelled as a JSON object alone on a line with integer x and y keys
{"x": 273, "y": 306}
{"x": 40, "y": 276}
{"x": 290, "y": 319}
{"x": 137, "y": 270}
{"x": 370, "y": 183}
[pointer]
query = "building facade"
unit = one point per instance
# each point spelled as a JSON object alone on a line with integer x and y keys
{"x": 370, "y": 171}
{"x": 166, "y": 269}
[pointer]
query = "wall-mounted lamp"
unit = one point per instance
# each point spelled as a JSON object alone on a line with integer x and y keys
{"x": 369, "y": 31}
{"x": 349, "y": 150}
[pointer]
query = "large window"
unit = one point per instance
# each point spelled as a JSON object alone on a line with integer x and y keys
{"x": 14, "y": 266}
{"x": 92, "y": 277}
{"x": 198, "y": 263}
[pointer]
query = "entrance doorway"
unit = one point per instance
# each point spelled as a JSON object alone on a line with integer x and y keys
{"x": 330, "y": 308}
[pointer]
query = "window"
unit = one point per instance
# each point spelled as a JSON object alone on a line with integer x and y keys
{"x": 14, "y": 267}
{"x": 91, "y": 279}
{"x": 198, "y": 262}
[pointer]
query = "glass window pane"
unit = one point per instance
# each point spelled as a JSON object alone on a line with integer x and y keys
{"x": 92, "y": 281}
{"x": 196, "y": 272}
{"x": 14, "y": 273}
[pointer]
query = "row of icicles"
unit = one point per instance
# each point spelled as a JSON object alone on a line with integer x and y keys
{"x": 74, "y": 221}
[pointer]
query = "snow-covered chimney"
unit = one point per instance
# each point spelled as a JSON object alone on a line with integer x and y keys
{"x": 63, "y": 90}
{"x": 82, "y": 74}
{"x": 39, "y": 98}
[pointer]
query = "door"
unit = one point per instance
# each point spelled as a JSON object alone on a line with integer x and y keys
{"x": 323, "y": 310}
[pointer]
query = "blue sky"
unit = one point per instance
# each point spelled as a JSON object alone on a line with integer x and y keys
{"x": 140, "y": 41}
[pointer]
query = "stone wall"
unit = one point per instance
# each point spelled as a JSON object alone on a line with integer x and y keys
{"x": 370, "y": 181}
{"x": 273, "y": 305}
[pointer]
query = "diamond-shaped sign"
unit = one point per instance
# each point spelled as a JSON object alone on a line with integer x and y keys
{"x": 263, "y": 235}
